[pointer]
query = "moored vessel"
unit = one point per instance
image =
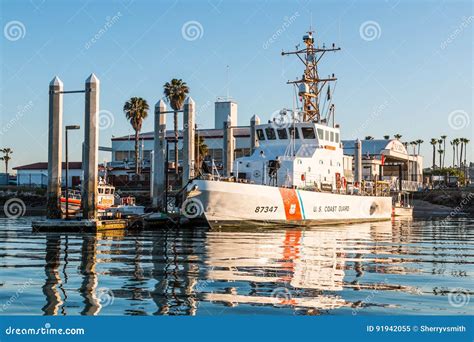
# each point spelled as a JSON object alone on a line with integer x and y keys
{"x": 297, "y": 173}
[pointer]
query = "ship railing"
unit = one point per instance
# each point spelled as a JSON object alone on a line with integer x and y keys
{"x": 407, "y": 185}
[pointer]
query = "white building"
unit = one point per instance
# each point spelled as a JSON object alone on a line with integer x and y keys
{"x": 390, "y": 157}
{"x": 225, "y": 108}
{"x": 36, "y": 174}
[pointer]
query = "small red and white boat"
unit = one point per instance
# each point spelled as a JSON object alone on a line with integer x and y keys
{"x": 108, "y": 202}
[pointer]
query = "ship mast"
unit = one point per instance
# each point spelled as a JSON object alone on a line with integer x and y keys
{"x": 310, "y": 86}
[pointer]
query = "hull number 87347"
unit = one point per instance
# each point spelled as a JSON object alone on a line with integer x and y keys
{"x": 266, "y": 209}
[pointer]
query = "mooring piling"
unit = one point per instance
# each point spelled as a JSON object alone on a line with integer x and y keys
{"x": 91, "y": 140}
{"x": 159, "y": 157}
{"x": 55, "y": 151}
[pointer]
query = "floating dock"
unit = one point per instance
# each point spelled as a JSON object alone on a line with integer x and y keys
{"x": 85, "y": 226}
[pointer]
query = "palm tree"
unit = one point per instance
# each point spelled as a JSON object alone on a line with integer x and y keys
{"x": 419, "y": 142}
{"x": 175, "y": 92}
{"x": 433, "y": 143}
{"x": 440, "y": 151}
{"x": 456, "y": 143}
{"x": 136, "y": 110}
{"x": 461, "y": 140}
{"x": 443, "y": 137}
{"x": 6, "y": 157}
{"x": 413, "y": 144}
{"x": 466, "y": 141}
{"x": 386, "y": 137}
{"x": 397, "y": 136}
{"x": 201, "y": 150}
{"x": 440, "y": 142}
{"x": 369, "y": 137}
{"x": 453, "y": 144}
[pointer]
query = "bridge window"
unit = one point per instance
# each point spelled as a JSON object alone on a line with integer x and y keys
{"x": 326, "y": 135}
{"x": 337, "y": 137}
{"x": 294, "y": 132}
{"x": 320, "y": 134}
{"x": 332, "y": 136}
{"x": 308, "y": 132}
{"x": 260, "y": 134}
{"x": 270, "y": 132}
{"x": 282, "y": 133}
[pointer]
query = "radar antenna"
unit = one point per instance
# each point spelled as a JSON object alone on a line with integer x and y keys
{"x": 310, "y": 86}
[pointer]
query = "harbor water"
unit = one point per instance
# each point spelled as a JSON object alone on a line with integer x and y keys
{"x": 395, "y": 267}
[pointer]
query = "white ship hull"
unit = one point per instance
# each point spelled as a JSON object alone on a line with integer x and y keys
{"x": 229, "y": 203}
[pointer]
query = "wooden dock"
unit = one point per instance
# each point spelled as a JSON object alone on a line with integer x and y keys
{"x": 87, "y": 226}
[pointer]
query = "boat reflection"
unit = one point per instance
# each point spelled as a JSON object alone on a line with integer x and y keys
{"x": 299, "y": 268}
{"x": 181, "y": 271}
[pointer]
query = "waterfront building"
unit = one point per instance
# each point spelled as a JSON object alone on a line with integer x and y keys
{"x": 36, "y": 174}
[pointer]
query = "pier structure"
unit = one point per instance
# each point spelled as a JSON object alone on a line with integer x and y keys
{"x": 91, "y": 148}
{"x": 229, "y": 146}
{"x": 358, "y": 162}
{"x": 254, "y": 121}
{"x": 189, "y": 129}
{"x": 55, "y": 151}
{"x": 159, "y": 157}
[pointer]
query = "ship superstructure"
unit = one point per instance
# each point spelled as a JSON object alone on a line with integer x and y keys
{"x": 295, "y": 173}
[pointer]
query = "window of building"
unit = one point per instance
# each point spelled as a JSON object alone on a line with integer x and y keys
{"x": 320, "y": 133}
{"x": 270, "y": 132}
{"x": 121, "y": 155}
{"x": 294, "y": 131}
{"x": 260, "y": 134}
{"x": 332, "y": 136}
{"x": 326, "y": 135}
{"x": 241, "y": 152}
{"x": 215, "y": 153}
{"x": 282, "y": 133}
{"x": 308, "y": 132}
{"x": 146, "y": 155}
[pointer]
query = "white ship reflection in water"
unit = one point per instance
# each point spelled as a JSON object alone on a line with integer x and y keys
{"x": 399, "y": 267}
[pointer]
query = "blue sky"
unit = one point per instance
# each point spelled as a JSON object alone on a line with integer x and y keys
{"x": 405, "y": 66}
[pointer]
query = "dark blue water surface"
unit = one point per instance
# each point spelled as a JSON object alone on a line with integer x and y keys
{"x": 398, "y": 267}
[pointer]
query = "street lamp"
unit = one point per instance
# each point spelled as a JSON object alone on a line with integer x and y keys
{"x": 71, "y": 127}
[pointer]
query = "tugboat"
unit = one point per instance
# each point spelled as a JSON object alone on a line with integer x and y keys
{"x": 295, "y": 175}
{"x": 109, "y": 203}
